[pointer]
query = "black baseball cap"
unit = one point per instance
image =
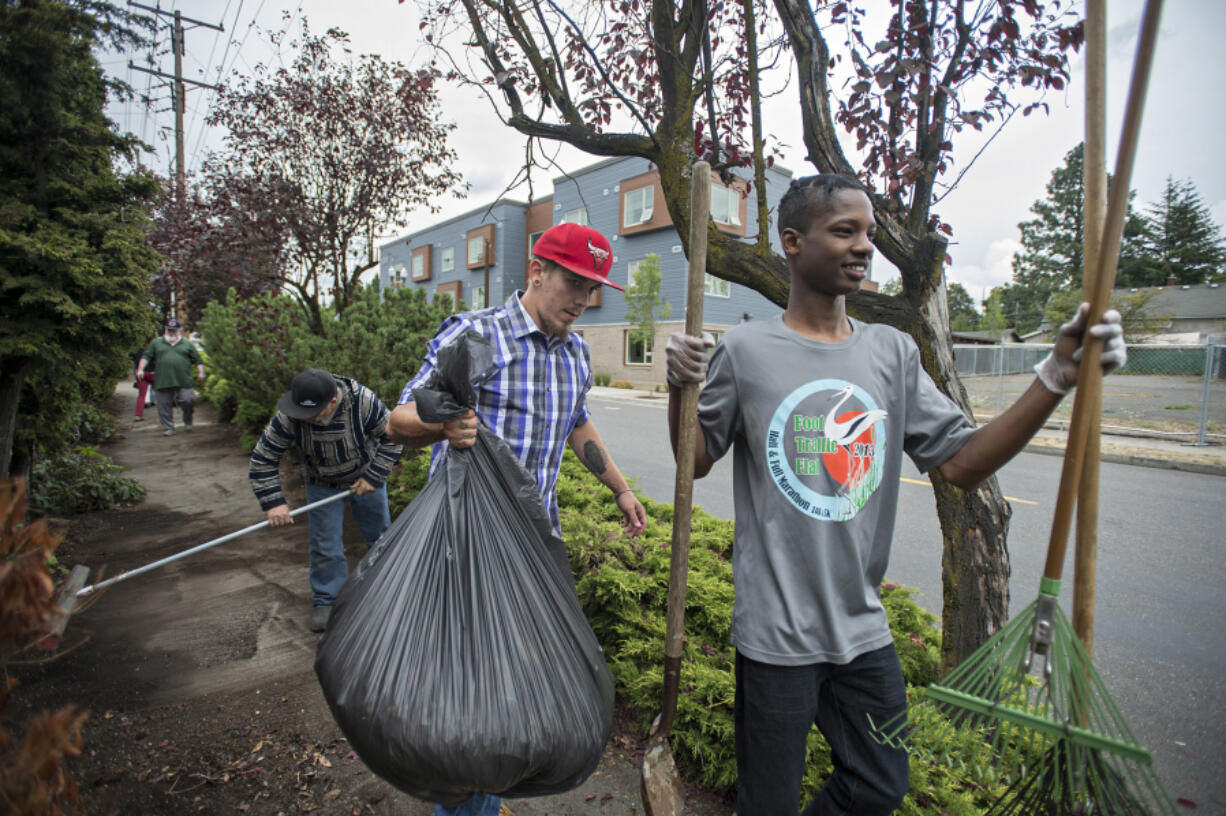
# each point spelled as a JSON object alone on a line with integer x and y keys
{"x": 310, "y": 392}
{"x": 173, "y": 325}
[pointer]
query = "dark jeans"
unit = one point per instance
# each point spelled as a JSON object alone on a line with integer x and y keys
{"x": 775, "y": 708}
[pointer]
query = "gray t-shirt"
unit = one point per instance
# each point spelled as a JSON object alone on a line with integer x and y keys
{"x": 819, "y": 430}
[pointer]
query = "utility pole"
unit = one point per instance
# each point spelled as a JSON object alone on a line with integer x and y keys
{"x": 179, "y": 94}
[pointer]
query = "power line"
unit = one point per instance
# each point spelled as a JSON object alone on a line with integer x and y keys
{"x": 220, "y": 65}
{"x": 179, "y": 91}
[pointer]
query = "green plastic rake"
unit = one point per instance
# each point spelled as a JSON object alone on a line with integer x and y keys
{"x": 1027, "y": 710}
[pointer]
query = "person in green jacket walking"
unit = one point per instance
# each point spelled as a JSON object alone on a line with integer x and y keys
{"x": 172, "y": 357}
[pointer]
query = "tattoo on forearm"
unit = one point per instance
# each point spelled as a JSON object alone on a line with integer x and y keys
{"x": 595, "y": 458}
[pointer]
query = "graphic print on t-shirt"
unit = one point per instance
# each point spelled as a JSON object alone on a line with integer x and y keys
{"x": 825, "y": 447}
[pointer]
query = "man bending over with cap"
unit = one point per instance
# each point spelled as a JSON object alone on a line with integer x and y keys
{"x": 537, "y": 399}
{"x": 338, "y": 425}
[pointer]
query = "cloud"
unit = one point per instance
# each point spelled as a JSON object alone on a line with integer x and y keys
{"x": 1218, "y": 211}
{"x": 993, "y": 269}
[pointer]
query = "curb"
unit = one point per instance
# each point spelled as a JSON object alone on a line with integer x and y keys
{"x": 1139, "y": 460}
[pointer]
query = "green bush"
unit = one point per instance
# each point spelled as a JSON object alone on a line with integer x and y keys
{"x": 77, "y": 480}
{"x": 257, "y": 345}
{"x": 381, "y": 343}
{"x": 95, "y": 426}
{"x": 603, "y": 379}
{"x": 623, "y": 587}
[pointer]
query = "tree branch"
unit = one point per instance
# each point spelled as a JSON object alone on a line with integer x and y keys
{"x": 825, "y": 153}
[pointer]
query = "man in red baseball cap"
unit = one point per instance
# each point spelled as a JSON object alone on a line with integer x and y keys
{"x": 569, "y": 262}
{"x": 536, "y": 400}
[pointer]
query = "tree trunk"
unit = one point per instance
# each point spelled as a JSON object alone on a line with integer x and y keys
{"x": 12, "y": 373}
{"x": 974, "y": 523}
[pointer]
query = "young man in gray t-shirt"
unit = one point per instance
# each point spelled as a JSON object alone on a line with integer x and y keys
{"x": 818, "y": 409}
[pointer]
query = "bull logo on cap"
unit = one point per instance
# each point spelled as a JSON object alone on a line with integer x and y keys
{"x": 599, "y": 255}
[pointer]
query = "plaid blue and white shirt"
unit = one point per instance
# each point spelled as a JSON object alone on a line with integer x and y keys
{"x": 536, "y": 396}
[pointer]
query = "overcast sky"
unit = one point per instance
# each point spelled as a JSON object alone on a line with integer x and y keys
{"x": 1181, "y": 135}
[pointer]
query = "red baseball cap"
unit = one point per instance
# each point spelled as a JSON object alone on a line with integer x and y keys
{"x": 580, "y": 249}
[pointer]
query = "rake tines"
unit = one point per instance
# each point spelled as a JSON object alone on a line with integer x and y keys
{"x": 1072, "y": 780}
{"x": 1028, "y": 710}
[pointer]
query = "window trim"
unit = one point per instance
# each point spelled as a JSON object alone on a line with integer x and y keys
{"x": 485, "y": 231}
{"x": 425, "y": 253}
{"x": 631, "y": 268}
{"x": 711, "y": 285}
{"x": 739, "y": 188}
{"x": 648, "y": 352}
{"x": 647, "y": 205}
{"x": 397, "y": 275}
{"x": 659, "y": 209}
{"x": 454, "y": 288}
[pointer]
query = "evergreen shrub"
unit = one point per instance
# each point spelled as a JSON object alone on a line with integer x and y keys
{"x": 256, "y": 346}
{"x": 622, "y": 585}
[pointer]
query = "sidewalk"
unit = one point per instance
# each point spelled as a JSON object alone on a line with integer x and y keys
{"x": 1170, "y": 453}
{"x": 1142, "y": 451}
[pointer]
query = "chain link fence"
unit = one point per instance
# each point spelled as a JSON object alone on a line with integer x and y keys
{"x": 1163, "y": 391}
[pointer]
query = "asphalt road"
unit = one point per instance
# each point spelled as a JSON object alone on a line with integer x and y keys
{"x": 1160, "y": 625}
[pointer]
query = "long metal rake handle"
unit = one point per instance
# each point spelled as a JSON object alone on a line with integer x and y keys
{"x": 123, "y": 576}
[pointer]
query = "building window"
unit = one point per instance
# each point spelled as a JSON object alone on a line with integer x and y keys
{"x": 476, "y": 250}
{"x": 716, "y": 287}
{"x": 640, "y": 205}
{"x": 576, "y": 216}
{"x": 479, "y": 301}
{"x": 532, "y": 240}
{"x": 632, "y": 269}
{"x": 726, "y": 205}
{"x": 395, "y": 276}
{"x": 638, "y": 352}
{"x": 637, "y": 206}
{"x": 449, "y": 259}
{"x": 419, "y": 263}
{"x": 450, "y": 291}
{"x": 479, "y": 247}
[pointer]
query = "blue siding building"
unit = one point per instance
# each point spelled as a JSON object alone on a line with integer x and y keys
{"x": 481, "y": 257}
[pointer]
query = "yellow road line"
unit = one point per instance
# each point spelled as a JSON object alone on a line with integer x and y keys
{"x": 927, "y": 483}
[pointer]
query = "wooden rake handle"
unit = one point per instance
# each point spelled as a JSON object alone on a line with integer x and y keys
{"x": 1089, "y": 386}
{"x": 683, "y": 489}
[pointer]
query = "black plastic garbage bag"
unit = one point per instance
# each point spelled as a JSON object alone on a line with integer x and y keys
{"x": 457, "y": 658}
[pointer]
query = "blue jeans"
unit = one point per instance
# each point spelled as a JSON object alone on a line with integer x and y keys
{"x": 777, "y": 705}
{"x": 329, "y": 569}
{"x": 479, "y": 804}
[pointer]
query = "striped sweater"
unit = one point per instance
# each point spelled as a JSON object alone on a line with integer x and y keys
{"x": 351, "y": 445}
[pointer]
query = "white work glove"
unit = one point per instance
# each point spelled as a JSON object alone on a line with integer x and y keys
{"x": 1058, "y": 370}
{"x": 686, "y": 357}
